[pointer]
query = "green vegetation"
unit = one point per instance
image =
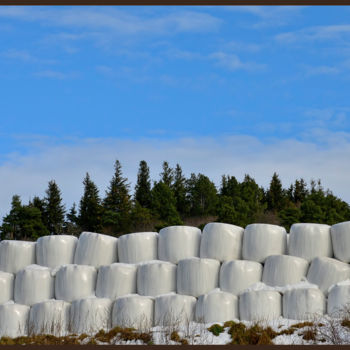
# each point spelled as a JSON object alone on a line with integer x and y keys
{"x": 172, "y": 200}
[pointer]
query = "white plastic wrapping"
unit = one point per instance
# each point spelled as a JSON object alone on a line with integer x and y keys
{"x": 96, "y": 249}
{"x": 75, "y": 282}
{"x": 49, "y": 317}
{"x": 309, "y": 241}
{"x": 156, "y": 277}
{"x": 90, "y": 315}
{"x": 327, "y": 271}
{"x": 6, "y": 286}
{"x": 222, "y": 242}
{"x": 217, "y": 306}
{"x": 16, "y": 255}
{"x": 14, "y": 320}
{"x": 197, "y": 276}
{"x": 262, "y": 240}
{"x": 138, "y": 247}
{"x": 134, "y": 311}
{"x": 178, "y": 242}
{"x": 340, "y": 234}
{"x": 303, "y": 304}
{"x": 174, "y": 310}
{"x": 281, "y": 270}
{"x": 339, "y": 298}
{"x": 260, "y": 305}
{"x": 116, "y": 280}
{"x": 237, "y": 275}
{"x": 55, "y": 250}
{"x": 34, "y": 284}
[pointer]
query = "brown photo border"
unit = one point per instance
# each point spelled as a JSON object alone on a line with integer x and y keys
{"x": 174, "y": 3}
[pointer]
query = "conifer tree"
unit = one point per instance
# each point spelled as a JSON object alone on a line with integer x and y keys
{"x": 71, "y": 225}
{"x": 179, "y": 190}
{"x": 117, "y": 203}
{"x": 275, "y": 194}
{"x": 11, "y": 227}
{"x": 167, "y": 175}
{"x": 90, "y": 209}
{"x": 54, "y": 209}
{"x": 143, "y": 186}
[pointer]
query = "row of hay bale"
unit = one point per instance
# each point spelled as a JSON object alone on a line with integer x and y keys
{"x": 192, "y": 276}
{"x": 90, "y": 315}
{"x": 218, "y": 241}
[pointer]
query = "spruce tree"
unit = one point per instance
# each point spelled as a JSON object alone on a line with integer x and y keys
{"x": 275, "y": 194}
{"x": 143, "y": 186}
{"x": 54, "y": 209}
{"x": 179, "y": 191}
{"x": 90, "y": 209}
{"x": 167, "y": 175}
{"x": 11, "y": 227}
{"x": 71, "y": 225}
{"x": 117, "y": 203}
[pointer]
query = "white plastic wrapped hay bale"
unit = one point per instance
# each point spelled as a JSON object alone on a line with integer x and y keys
{"x": 340, "y": 234}
{"x": 174, "y": 310}
{"x": 49, "y": 317}
{"x": 303, "y": 303}
{"x": 262, "y": 240}
{"x": 156, "y": 277}
{"x": 338, "y": 302}
{"x": 281, "y": 270}
{"x": 75, "y": 282}
{"x": 14, "y": 320}
{"x": 309, "y": 241}
{"x": 55, "y": 250}
{"x": 34, "y": 284}
{"x": 16, "y": 255}
{"x": 116, "y": 280}
{"x": 134, "y": 311}
{"x": 6, "y": 286}
{"x": 222, "y": 242}
{"x": 197, "y": 276}
{"x": 90, "y": 315}
{"x": 260, "y": 305}
{"x": 237, "y": 275}
{"x": 327, "y": 271}
{"x": 138, "y": 247}
{"x": 96, "y": 249}
{"x": 217, "y": 306}
{"x": 178, "y": 242}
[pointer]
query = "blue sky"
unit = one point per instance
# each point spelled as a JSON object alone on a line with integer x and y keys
{"x": 218, "y": 89}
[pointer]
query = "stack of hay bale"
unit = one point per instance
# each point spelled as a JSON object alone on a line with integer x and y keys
{"x": 61, "y": 284}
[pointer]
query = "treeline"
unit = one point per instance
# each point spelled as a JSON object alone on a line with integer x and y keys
{"x": 172, "y": 200}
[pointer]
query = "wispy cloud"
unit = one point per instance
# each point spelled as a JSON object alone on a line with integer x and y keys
{"x": 24, "y": 56}
{"x": 27, "y": 175}
{"x": 321, "y": 70}
{"x": 116, "y": 20}
{"x": 232, "y": 62}
{"x": 269, "y": 16}
{"x": 52, "y": 74}
{"x": 317, "y": 33}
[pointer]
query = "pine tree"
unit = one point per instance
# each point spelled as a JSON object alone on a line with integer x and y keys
{"x": 11, "y": 227}
{"x": 164, "y": 205}
{"x": 167, "y": 175}
{"x": 275, "y": 194}
{"x": 54, "y": 209}
{"x": 179, "y": 190}
{"x": 117, "y": 203}
{"x": 71, "y": 225}
{"x": 90, "y": 209}
{"x": 143, "y": 186}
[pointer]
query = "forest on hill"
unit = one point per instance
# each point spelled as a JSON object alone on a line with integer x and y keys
{"x": 172, "y": 200}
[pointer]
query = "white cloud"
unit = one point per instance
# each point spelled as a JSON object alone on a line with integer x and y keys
{"x": 232, "y": 62}
{"x": 115, "y": 20}
{"x": 330, "y": 32}
{"x": 28, "y": 174}
{"x": 52, "y": 74}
